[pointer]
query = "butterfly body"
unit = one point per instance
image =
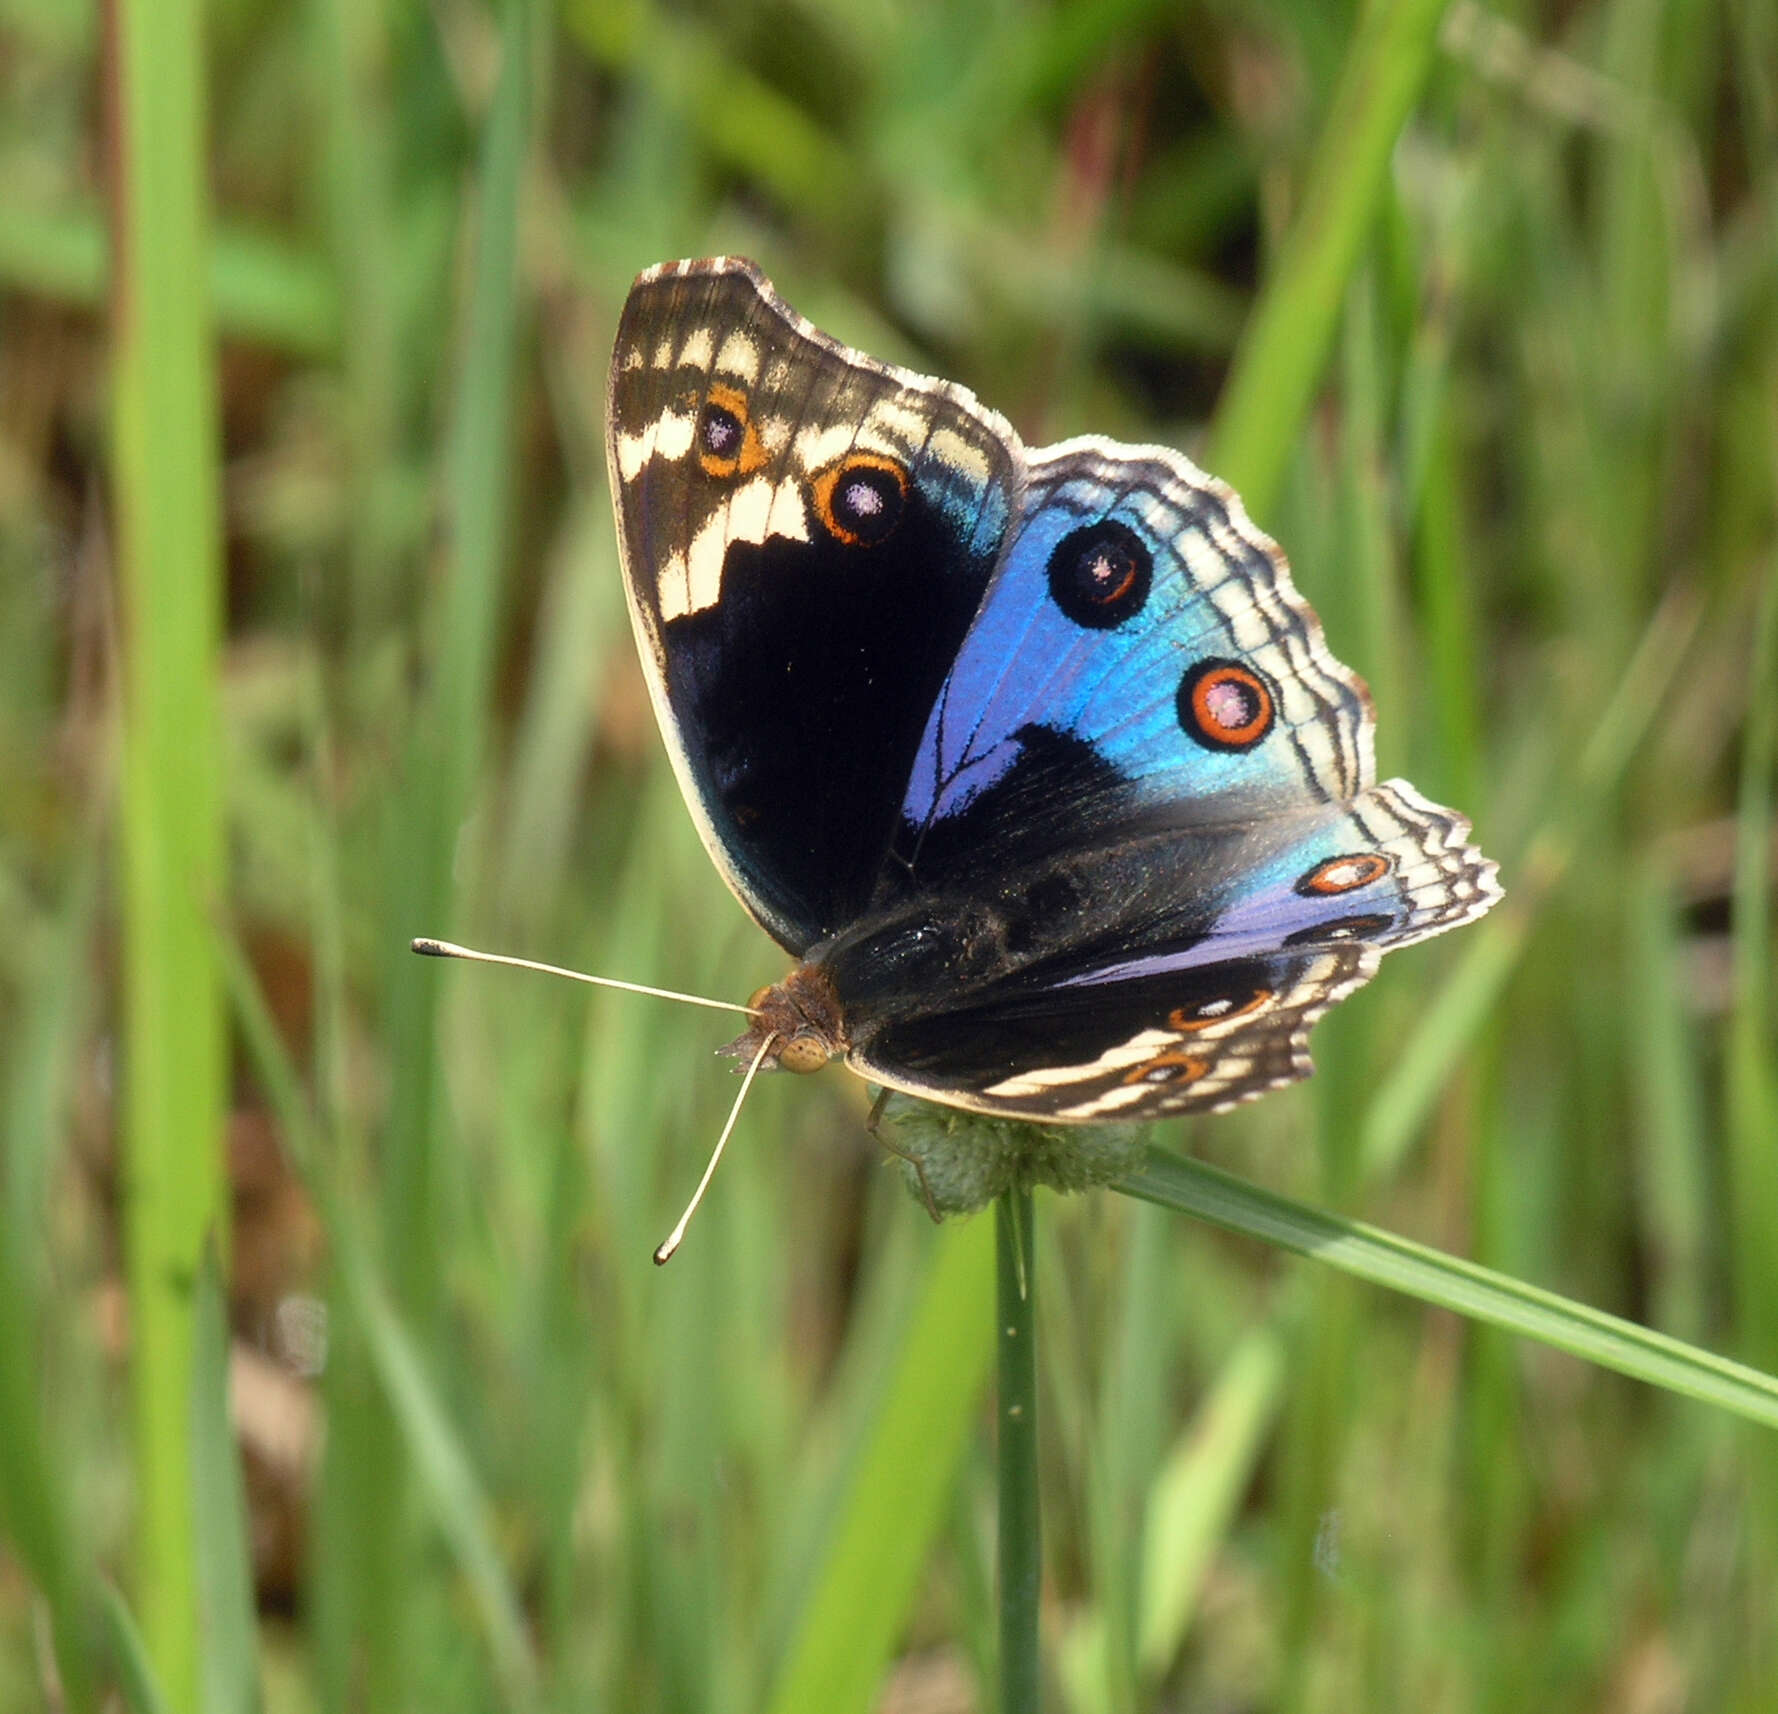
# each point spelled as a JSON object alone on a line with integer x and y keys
{"x": 1033, "y": 758}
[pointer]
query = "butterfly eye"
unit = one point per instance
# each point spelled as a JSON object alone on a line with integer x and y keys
{"x": 1099, "y": 574}
{"x": 1345, "y": 874}
{"x": 861, "y": 501}
{"x": 804, "y": 1053}
{"x": 727, "y": 443}
{"x": 1225, "y": 706}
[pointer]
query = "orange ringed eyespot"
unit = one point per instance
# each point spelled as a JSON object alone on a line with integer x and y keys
{"x": 1225, "y": 706}
{"x": 1346, "y": 874}
{"x": 1218, "y": 1011}
{"x": 859, "y": 501}
{"x": 727, "y": 442}
{"x": 1169, "y": 1067}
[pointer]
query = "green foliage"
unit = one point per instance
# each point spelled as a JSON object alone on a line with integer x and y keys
{"x": 1479, "y": 308}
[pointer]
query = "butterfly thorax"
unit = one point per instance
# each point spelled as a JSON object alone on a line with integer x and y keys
{"x": 800, "y": 1017}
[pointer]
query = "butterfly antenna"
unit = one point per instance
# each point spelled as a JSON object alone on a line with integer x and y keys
{"x": 673, "y": 1239}
{"x": 448, "y": 949}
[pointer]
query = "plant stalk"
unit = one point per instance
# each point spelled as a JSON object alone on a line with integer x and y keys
{"x": 168, "y": 527}
{"x": 1021, "y": 1547}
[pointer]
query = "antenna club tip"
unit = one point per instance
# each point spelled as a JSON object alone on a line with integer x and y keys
{"x": 664, "y": 1254}
{"x": 429, "y": 948}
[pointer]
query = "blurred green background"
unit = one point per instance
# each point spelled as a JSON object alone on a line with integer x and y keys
{"x": 1503, "y": 282}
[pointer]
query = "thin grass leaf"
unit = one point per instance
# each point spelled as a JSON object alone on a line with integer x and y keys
{"x": 136, "y": 1677}
{"x": 1493, "y": 949}
{"x": 447, "y": 1478}
{"x": 1124, "y": 1439}
{"x": 219, "y": 1504}
{"x": 1448, "y": 1282}
{"x": 35, "y": 1510}
{"x": 35, "y": 1516}
{"x": 1753, "y": 1084}
{"x": 1281, "y": 354}
{"x": 446, "y": 1475}
{"x": 1672, "y": 1153}
{"x": 1197, "y": 1491}
{"x": 857, "y": 1606}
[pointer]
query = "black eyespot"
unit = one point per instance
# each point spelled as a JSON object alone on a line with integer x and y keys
{"x": 861, "y": 500}
{"x": 720, "y": 432}
{"x": 1100, "y": 573}
{"x": 1343, "y": 928}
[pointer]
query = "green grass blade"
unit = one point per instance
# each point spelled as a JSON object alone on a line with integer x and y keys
{"x": 1462, "y": 1005}
{"x": 1451, "y": 1283}
{"x": 36, "y": 1515}
{"x": 1672, "y": 1155}
{"x": 1280, "y": 357}
{"x": 165, "y": 450}
{"x": 129, "y": 1655}
{"x": 446, "y": 1474}
{"x": 448, "y": 1480}
{"x": 34, "y": 1509}
{"x": 449, "y": 738}
{"x": 219, "y": 1502}
{"x": 857, "y": 1606}
{"x": 1195, "y": 1495}
{"x": 1753, "y": 1084}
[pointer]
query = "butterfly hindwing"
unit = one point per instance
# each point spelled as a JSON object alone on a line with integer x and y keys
{"x": 806, "y": 536}
{"x": 1143, "y": 1048}
{"x": 1142, "y": 651}
{"x": 1172, "y": 975}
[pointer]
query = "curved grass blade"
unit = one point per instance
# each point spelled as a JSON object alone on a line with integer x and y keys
{"x": 1418, "y": 1271}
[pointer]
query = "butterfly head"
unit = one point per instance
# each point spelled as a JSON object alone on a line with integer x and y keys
{"x": 800, "y": 1017}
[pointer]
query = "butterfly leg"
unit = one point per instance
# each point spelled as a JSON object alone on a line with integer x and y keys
{"x": 870, "y": 1124}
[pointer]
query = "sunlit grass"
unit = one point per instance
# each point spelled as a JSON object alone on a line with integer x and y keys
{"x": 1476, "y": 312}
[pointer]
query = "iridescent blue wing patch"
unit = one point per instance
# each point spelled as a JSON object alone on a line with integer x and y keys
{"x": 1141, "y": 628}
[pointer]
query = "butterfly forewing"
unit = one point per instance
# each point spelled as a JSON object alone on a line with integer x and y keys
{"x": 807, "y": 536}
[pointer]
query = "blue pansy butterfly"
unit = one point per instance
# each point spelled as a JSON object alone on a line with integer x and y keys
{"x": 1033, "y": 758}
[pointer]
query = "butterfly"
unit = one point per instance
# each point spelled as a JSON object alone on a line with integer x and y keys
{"x": 1032, "y": 758}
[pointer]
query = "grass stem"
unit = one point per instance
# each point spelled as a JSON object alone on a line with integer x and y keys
{"x": 1021, "y": 1548}
{"x": 165, "y": 439}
